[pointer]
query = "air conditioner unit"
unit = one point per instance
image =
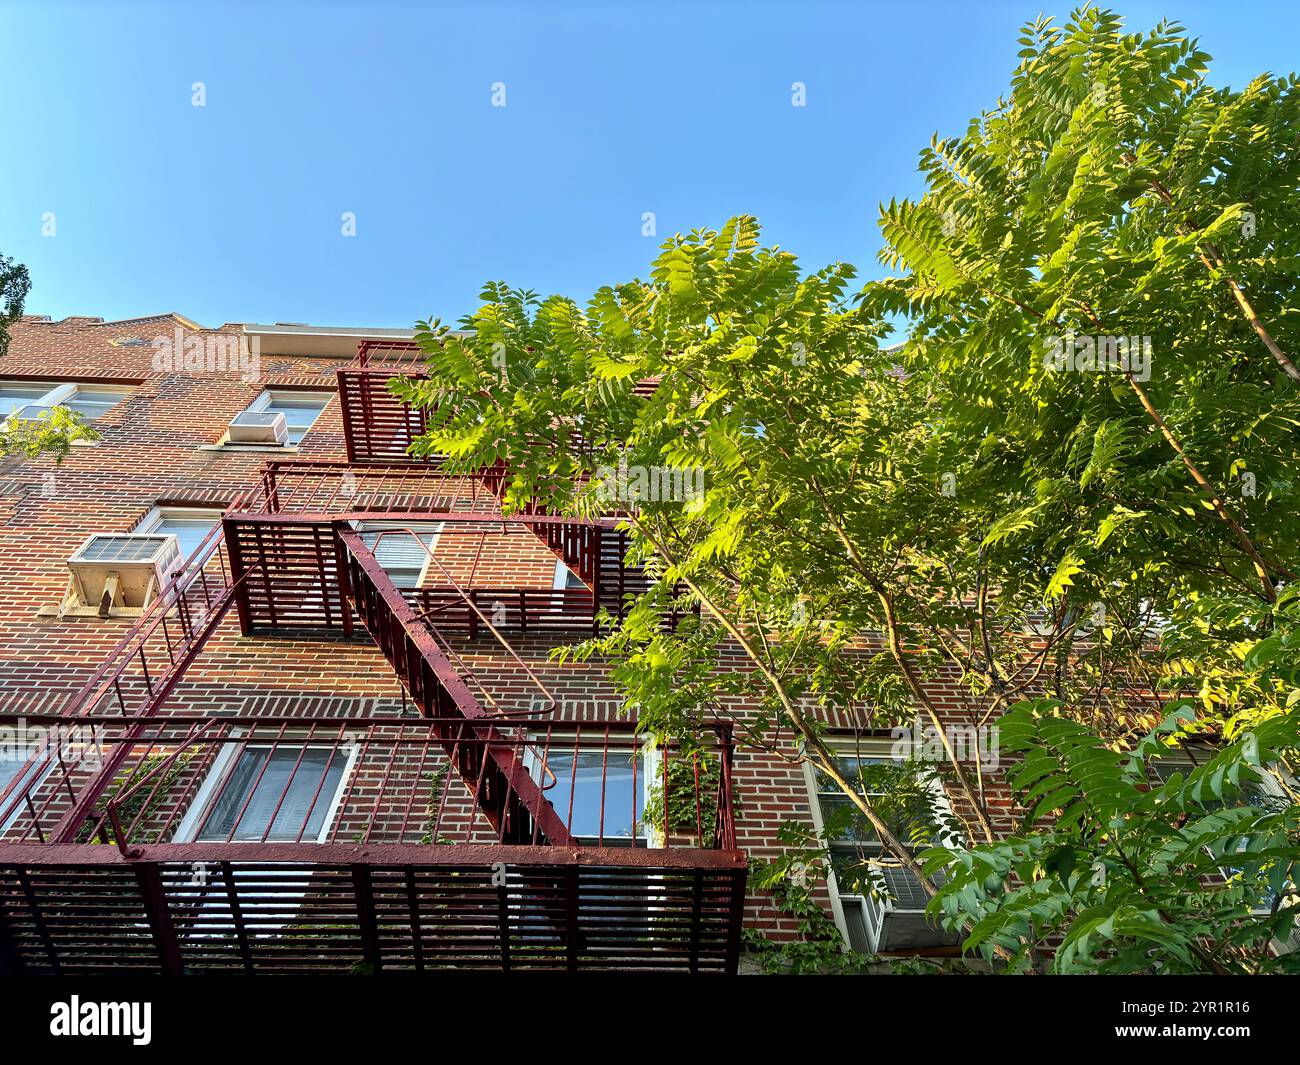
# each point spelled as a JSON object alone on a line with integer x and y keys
{"x": 1289, "y": 945}
{"x": 122, "y": 570}
{"x": 259, "y": 427}
{"x": 880, "y": 925}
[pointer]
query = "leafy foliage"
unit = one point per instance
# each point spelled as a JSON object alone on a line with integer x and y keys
{"x": 15, "y": 283}
{"x": 793, "y": 879}
{"x": 1131, "y": 873}
{"x": 684, "y": 796}
{"x": 962, "y": 507}
{"x": 55, "y": 432}
{"x": 52, "y": 433}
{"x": 140, "y": 803}
{"x": 1116, "y": 193}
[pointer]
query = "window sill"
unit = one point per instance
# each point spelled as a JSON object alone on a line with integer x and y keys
{"x": 116, "y": 612}
{"x": 256, "y": 449}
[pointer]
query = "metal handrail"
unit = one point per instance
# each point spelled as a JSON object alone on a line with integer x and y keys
{"x": 469, "y": 601}
{"x": 144, "y": 757}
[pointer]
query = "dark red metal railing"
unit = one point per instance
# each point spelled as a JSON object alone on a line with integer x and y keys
{"x": 337, "y": 488}
{"x": 146, "y": 664}
{"x": 502, "y": 788}
{"x": 278, "y": 844}
{"x": 348, "y": 841}
{"x": 377, "y": 426}
{"x": 287, "y": 522}
{"x": 389, "y": 353}
{"x": 366, "y": 780}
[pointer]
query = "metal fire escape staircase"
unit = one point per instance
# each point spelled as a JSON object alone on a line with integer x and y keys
{"x": 501, "y": 784}
{"x": 288, "y": 557}
{"x": 142, "y": 672}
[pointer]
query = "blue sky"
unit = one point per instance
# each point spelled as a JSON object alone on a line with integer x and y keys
{"x": 233, "y": 211}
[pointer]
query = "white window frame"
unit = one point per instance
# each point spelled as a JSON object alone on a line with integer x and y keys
{"x": 883, "y": 748}
{"x": 200, "y": 808}
{"x": 255, "y": 904}
{"x": 178, "y": 511}
{"x": 61, "y": 391}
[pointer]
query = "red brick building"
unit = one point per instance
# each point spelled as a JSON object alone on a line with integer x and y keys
{"x": 349, "y": 748}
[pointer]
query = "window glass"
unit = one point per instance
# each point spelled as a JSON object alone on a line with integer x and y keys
{"x": 907, "y": 806}
{"x": 92, "y": 403}
{"x": 275, "y": 796}
{"x": 31, "y": 401}
{"x": 597, "y": 782}
{"x": 188, "y": 531}
{"x": 190, "y": 525}
{"x": 300, "y": 410}
{"x": 402, "y": 558}
{"x": 15, "y": 397}
{"x": 11, "y": 761}
{"x": 883, "y": 904}
{"x": 33, "y": 412}
{"x": 17, "y": 762}
{"x": 566, "y": 578}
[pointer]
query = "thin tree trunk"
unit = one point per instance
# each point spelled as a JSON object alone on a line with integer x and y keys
{"x": 1243, "y": 540}
{"x": 823, "y": 756}
{"x": 1238, "y": 293}
{"x": 909, "y": 675}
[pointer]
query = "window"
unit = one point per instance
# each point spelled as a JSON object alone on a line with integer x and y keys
{"x": 28, "y": 400}
{"x": 259, "y": 793}
{"x": 566, "y": 578}
{"x": 300, "y": 409}
{"x": 262, "y": 793}
{"x": 405, "y": 561}
{"x": 879, "y": 907}
{"x": 188, "y": 524}
{"x": 15, "y": 397}
{"x": 1264, "y": 793}
{"x": 17, "y": 763}
{"x": 599, "y": 792}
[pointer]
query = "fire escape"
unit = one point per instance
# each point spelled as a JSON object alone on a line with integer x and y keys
{"x": 477, "y": 828}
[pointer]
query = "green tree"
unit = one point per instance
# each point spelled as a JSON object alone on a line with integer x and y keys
{"x": 52, "y": 433}
{"x": 15, "y": 283}
{"x": 814, "y": 474}
{"x": 975, "y": 505}
{"x": 1116, "y": 193}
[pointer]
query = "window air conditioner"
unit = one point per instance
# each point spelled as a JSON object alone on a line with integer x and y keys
{"x": 259, "y": 427}
{"x": 123, "y": 570}
{"x": 878, "y": 925}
